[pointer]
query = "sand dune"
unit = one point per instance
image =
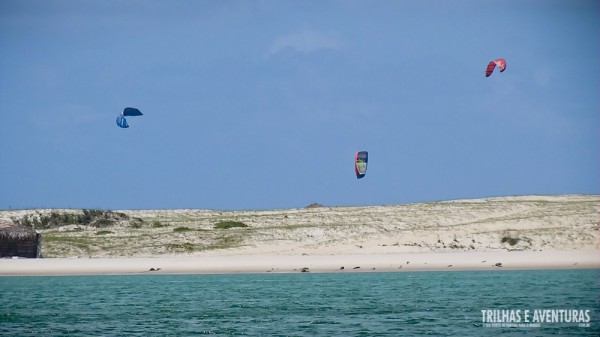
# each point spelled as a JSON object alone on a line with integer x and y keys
{"x": 383, "y": 235}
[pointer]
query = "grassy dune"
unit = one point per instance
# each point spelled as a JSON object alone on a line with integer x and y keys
{"x": 525, "y": 223}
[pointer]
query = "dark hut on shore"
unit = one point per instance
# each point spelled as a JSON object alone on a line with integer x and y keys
{"x": 17, "y": 241}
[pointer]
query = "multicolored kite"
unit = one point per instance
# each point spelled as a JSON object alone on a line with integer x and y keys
{"x": 361, "y": 158}
{"x": 499, "y": 62}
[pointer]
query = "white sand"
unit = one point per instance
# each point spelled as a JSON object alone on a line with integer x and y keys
{"x": 314, "y": 263}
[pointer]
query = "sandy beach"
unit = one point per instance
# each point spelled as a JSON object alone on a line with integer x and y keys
{"x": 522, "y": 232}
{"x": 316, "y": 263}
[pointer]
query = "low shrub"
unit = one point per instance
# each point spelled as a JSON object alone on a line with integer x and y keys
{"x": 510, "y": 240}
{"x": 229, "y": 224}
{"x": 157, "y": 224}
{"x": 186, "y": 246}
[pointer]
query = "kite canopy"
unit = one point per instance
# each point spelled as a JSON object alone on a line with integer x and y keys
{"x": 499, "y": 62}
{"x": 122, "y": 122}
{"x": 131, "y": 112}
{"x": 360, "y": 163}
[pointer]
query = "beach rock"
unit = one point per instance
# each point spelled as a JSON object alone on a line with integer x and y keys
{"x": 304, "y": 270}
{"x": 498, "y": 264}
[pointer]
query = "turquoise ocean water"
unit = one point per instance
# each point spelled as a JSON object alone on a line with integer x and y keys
{"x": 301, "y": 304}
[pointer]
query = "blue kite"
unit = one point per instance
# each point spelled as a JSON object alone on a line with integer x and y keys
{"x": 122, "y": 122}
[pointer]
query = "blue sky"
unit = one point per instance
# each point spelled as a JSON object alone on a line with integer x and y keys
{"x": 262, "y": 104}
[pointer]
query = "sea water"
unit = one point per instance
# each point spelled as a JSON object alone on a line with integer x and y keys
{"x": 452, "y": 303}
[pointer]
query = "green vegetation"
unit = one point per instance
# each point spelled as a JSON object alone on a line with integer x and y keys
{"x": 88, "y": 217}
{"x": 104, "y": 232}
{"x": 136, "y": 223}
{"x": 454, "y": 245}
{"x": 510, "y": 239}
{"x": 59, "y": 245}
{"x": 181, "y": 229}
{"x": 74, "y": 230}
{"x": 229, "y": 224}
{"x": 186, "y": 246}
{"x": 158, "y": 224}
{"x": 225, "y": 242}
{"x": 103, "y": 223}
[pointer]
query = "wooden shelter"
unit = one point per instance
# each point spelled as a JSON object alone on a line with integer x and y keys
{"x": 17, "y": 241}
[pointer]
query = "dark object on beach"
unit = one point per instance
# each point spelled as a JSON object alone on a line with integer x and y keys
{"x": 304, "y": 270}
{"x": 449, "y": 265}
{"x": 498, "y": 264}
{"x": 407, "y": 262}
{"x": 314, "y": 205}
{"x": 356, "y": 268}
{"x": 342, "y": 268}
{"x": 18, "y": 241}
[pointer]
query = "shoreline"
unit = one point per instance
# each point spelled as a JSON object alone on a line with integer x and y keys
{"x": 264, "y": 263}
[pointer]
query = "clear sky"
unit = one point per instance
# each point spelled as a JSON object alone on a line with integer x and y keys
{"x": 262, "y": 104}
